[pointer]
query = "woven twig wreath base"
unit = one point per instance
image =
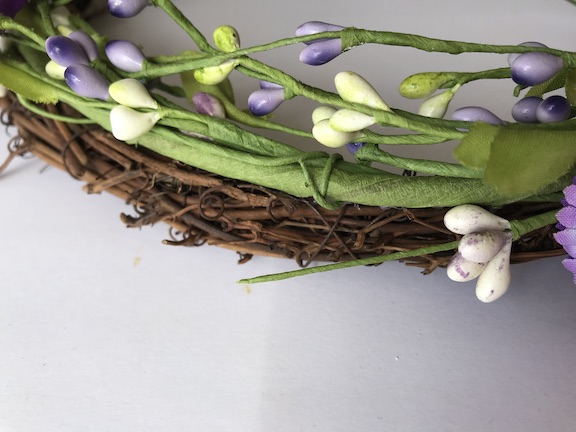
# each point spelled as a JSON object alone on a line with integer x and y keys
{"x": 204, "y": 208}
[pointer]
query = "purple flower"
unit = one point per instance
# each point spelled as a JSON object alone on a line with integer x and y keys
{"x": 320, "y": 51}
{"x": 267, "y": 99}
{"x": 65, "y": 51}
{"x": 566, "y": 235}
{"x": 126, "y": 8}
{"x": 11, "y": 7}
{"x": 124, "y": 55}
{"x": 86, "y": 81}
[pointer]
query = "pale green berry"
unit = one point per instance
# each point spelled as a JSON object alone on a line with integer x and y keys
{"x": 329, "y": 137}
{"x": 347, "y": 120}
{"x": 226, "y": 39}
{"x": 437, "y": 105}
{"x": 423, "y": 84}
{"x": 128, "y": 124}
{"x": 322, "y": 113}
{"x": 54, "y": 70}
{"x": 132, "y": 93}
{"x": 353, "y": 88}
{"x": 213, "y": 75}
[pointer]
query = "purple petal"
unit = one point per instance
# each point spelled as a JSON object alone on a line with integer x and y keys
{"x": 475, "y": 113}
{"x": 567, "y": 216}
{"x": 124, "y": 55}
{"x": 567, "y": 238}
{"x": 86, "y": 81}
{"x": 570, "y": 195}
{"x": 262, "y": 102}
{"x": 65, "y": 51}
{"x": 126, "y": 8}
{"x": 322, "y": 52}
{"x": 570, "y": 265}
{"x": 11, "y": 7}
{"x": 85, "y": 41}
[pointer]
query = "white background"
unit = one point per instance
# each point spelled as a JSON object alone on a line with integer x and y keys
{"x": 103, "y": 328}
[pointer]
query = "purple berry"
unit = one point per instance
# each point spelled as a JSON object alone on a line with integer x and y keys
{"x": 266, "y": 85}
{"x": 313, "y": 27}
{"x": 353, "y": 147}
{"x": 65, "y": 51}
{"x": 321, "y": 52}
{"x": 474, "y": 113}
{"x": 11, "y": 7}
{"x": 534, "y": 68}
{"x": 514, "y": 56}
{"x": 86, "y": 81}
{"x": 124, "y": 55}
{"x": 85, "y": 41}
{"x": 126, "y": 8}
{"x": 553, "y": 109}
{"x": 524, "y": 111}
{"x": 262, "y": 102}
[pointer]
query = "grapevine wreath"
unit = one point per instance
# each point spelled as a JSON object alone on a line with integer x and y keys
{"x": 191, "y": 156}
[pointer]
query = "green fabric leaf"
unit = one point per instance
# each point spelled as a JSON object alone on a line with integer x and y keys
{"x": 554, "y": 83}
{"x": 26, "y": 85}
{"x": 474, "y": 150}
{"x": 523, "y": 161}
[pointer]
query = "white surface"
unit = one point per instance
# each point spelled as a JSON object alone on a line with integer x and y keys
{"x": 104, "y": 329}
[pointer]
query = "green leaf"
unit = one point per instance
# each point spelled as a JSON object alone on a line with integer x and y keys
{"x": 523, "y": 161}
{"x": 474, "y": 150}
{"x": 26, "y": 85}
{"x": 554, "y": 83}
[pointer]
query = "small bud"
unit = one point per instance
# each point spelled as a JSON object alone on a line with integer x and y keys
{"x": 353, "y": 88}
{"x": 54, "y": 70}
{"x": 423, "y": 84}
{"x": 321, "y": 52}
{"x": 347, "y": 120}
{"x": 131, "y": 93}
{"x": 128, "y": 124}
{"x": 436, "y": 106}
{"x": 226, "y": 39}
{"x": 462, "y": 270}
{"x": 124, "y": 55}
{"x": 65, "y": 51}
{"x": 262, "y": 102}
{"x": 60, "y": 16}
{"x": 327, "y": 136}
{"x": 208, "y": 105}
{"x": 86, "y": 81}
{"x": 322, "y": 113}
{"x": 474, "y": 113}
{"x": 213, "y": 75}
{"x": 495, "y": 278}
{"x": 126, "y": 8}
{"x": 481, "y": 247}
{"x": 85, "y": 41}
{"x": 468, "y": 218}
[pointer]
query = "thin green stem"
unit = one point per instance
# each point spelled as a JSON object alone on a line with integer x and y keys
{"x": 43, "y": 113}
{"x": 179, "y": 18}
{"x": 6, "y": 23}
{"x": 44, "y": 9}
